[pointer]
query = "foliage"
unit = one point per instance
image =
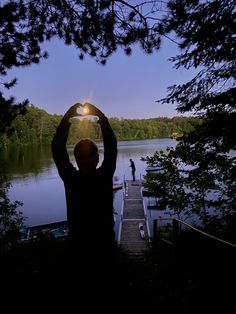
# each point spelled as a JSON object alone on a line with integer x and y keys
{"x": 8, "y": 112}
{"x": 95, "y": 28}
{"x": 11, "y": 220}
{"x": 208, "y": 43}
{"x": 36, "y": 126}
{"x": 168, "y": 183}
{"x": 201, "y": 189}
{"x": 206, "y": 31}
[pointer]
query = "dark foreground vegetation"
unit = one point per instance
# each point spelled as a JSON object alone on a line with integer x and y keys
{"x": 197, "y": 276}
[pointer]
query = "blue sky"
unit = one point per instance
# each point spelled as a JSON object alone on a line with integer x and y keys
{"x": 126, "y": 87}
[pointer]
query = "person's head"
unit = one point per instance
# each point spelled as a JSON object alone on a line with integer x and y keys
{"x": 86, "y": 155}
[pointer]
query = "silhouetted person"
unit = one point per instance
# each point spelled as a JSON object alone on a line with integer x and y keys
{"x": 89, "y": 192}
{"x": 133, "y": 168}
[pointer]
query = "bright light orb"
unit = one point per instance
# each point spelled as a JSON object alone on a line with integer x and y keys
{"x": 85, "y": 110}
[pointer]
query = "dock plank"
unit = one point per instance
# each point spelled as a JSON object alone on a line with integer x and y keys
{"x": 133, "y": 215}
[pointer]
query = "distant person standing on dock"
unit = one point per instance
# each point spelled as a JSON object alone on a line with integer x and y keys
{"x": 88, "y": 189}
{"x": 133, "y": 168}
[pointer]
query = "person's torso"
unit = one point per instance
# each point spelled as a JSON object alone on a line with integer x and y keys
{"x": 90, "y": 202}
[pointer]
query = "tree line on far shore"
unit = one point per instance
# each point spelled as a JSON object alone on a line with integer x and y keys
{"x": 36, "y": 126}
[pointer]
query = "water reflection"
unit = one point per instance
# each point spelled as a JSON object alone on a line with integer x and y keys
{"x": 35, "y": 180}
{"x": 25, "y": 161}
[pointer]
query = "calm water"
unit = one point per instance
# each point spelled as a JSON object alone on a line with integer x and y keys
{"x": 36, "y": 183}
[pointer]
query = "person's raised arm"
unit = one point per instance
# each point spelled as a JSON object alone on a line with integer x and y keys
{"x": 109, "y": 139}
{"x": 59, "y": 150}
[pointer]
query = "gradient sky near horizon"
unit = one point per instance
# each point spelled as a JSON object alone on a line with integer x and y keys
{"x": 126, "y": 87}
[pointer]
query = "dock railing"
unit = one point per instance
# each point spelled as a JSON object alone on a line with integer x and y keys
{"x": 174, "y": 230}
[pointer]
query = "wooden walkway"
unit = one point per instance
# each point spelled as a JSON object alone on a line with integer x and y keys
{"x": 132, "y": 215}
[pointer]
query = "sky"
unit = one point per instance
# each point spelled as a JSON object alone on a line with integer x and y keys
{"x": 126, "y": 87}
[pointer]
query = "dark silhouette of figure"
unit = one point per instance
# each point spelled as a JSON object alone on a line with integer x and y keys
{"x": 89, "y": 193}
{"x": 133, "y": 168}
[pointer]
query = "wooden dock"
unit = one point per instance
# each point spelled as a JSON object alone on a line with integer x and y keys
{"x": 132, "y": 215}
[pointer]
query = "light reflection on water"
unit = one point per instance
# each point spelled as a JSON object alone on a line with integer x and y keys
{"x": 36, "y": 183}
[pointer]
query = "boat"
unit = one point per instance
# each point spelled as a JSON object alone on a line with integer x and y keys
{"x": 117, "y": 187}
{"x": 151, "y": 169}
{"x": 147, "y": 193}
{"x": 117, "y": 183}
{"x": 57, "y": 229}
{"x": 52, "y": 230}
{"x": 154, "y": 169}
{"x": 152, "y": 202}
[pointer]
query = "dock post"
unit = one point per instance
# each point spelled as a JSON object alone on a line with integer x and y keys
{"x": 176, "y": 236}
{"x": 154, "y": 231}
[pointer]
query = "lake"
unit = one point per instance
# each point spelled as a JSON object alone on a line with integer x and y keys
{"x": 36, "y": 183}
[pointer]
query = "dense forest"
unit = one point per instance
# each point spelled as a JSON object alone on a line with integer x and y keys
{"x": 36, "y": 126}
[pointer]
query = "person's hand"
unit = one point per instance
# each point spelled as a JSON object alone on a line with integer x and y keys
{"x": 92, "y": 110}
{"x": 72, "y": 111}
